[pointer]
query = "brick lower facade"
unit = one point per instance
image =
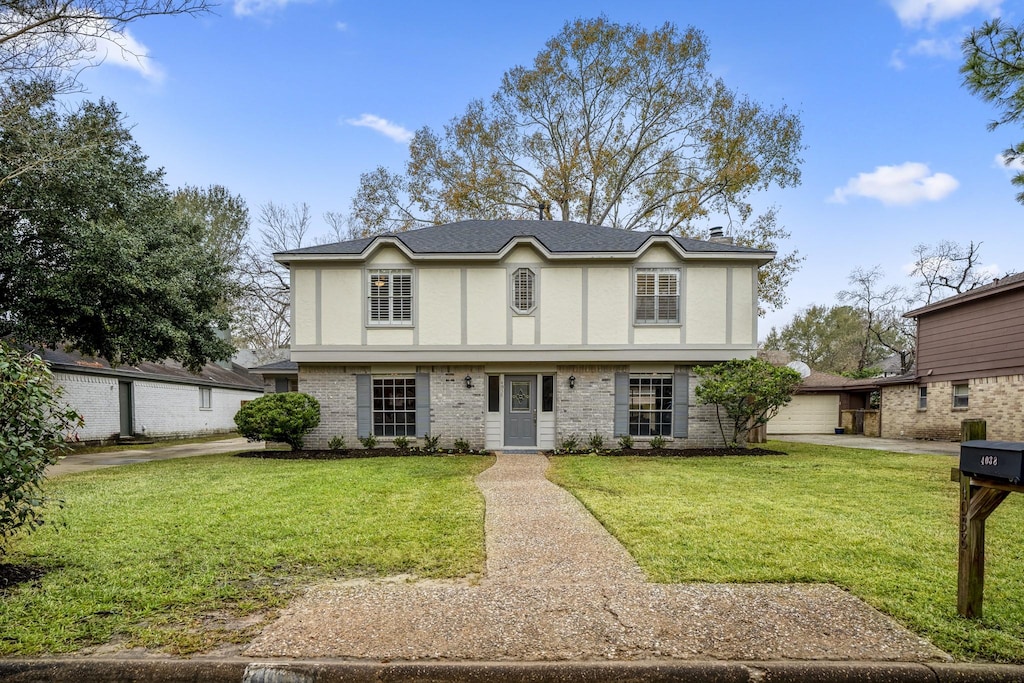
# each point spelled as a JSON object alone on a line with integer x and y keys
{"x": 460, "y": 412}
{"x": 997, "y": 400}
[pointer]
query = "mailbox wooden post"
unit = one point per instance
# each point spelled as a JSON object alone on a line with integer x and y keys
{"x": 989, "y": 471}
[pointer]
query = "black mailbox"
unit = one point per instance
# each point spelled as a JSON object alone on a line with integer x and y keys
{"x": 994, "y": 459}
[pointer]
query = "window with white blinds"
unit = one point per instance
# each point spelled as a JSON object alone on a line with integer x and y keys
{"x": 390, "y": 297}
{"x": 657, "y": 296}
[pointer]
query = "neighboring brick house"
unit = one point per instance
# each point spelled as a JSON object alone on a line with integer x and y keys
{"x": 518, "y": 334}
{"x": 970, "y": 365}
{"x": 278, "y": 377}
{"x": 154, "y": 400}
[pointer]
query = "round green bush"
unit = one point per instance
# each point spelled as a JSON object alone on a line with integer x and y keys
{"x": 279, "y": 417}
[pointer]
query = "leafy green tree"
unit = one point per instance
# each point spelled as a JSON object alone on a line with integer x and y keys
{"x": 286, "y": 418}
{"x": 993, "y": 69}
{"x": 93, "y": 252}
{"x": 34, "y": 425}
{"x": 750, "y": 392}
{"x": 827, "y": 338}
{"x": 611, "y": 125}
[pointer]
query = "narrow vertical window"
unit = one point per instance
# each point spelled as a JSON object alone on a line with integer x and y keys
{"x": 657, "y": 296}
{"x": 960, "y": 395}
{"x": 493, "y": 393}
{"x": 523, "y": 290}
{"x": 922, "y": 398}
{"x": 390, "y": 297}
{"x": 547, "y": 394}
{"x": 205, "y": 398}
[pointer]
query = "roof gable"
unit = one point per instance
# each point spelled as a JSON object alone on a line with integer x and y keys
{"x": 496, "y": 238}
{"x": 998, "y": 286}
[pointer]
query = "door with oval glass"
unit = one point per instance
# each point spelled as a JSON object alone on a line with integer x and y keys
{"x": 520, "y": 410}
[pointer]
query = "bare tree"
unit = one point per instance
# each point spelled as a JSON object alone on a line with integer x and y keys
{"x": 947, "y": 268}
{"x": 52, "y": 40}
{"x": 262, "y": 321}
{"x": 883, "y": 308}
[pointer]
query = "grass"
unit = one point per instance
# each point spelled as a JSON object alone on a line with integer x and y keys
{"x": 881, "y": 525}
{"x": 159, "y": 554}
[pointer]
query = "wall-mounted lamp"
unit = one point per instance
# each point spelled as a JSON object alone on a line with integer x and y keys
{"x": 572, "y": 381}
{"x": 469, "y": 381}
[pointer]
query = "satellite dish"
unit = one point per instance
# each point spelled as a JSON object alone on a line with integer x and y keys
{"x": 800, "y": 367}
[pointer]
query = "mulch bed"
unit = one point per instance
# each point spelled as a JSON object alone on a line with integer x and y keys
{"x": 395, "y": 452}
{"x": 13, "y": 574}
{"x": 338, "y": 455}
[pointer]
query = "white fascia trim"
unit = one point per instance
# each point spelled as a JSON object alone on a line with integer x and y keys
{"x": 760, "y": 258}
{"x": 463, "y": 356}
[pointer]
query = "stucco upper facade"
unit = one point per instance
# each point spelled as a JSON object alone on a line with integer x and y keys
{"x": 585, "y": 306}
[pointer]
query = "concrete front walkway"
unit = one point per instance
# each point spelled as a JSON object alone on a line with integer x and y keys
{"x": 874, "y": 443}
{"x": 559, "y": 587}
{"x": 82, "y": 462}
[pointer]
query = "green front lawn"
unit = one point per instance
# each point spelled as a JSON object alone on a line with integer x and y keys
{"x": 167, "y": 553}
{"x": 882, "y": 525}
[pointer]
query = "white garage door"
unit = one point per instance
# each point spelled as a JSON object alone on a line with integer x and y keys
{"x": 807, "y": 414}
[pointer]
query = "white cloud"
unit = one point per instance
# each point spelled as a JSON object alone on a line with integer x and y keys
{"x": 382, "y": 126}
{"x": 123, "y": 50}
{"x": 248, "y": 8}
{"x": 341, "y": 26}
{"x": 907, "y": 183}
{"x": 896, "y": 61}
{"x": 946, "y": 48}
{"x": 931, "y": 12}
{"x": 1011, "y": 167}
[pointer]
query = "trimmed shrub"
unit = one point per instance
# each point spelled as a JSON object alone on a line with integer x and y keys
{"x": 284, "y": 417}
{"x": 34, "y": 426}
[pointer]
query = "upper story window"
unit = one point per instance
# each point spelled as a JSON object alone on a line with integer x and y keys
{"x": 657, "y": 296}
{"x": 390, "y": 297}
{"x": 523, "y": 290}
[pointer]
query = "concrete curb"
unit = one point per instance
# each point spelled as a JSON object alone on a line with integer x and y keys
{"x": 331, "y": 671}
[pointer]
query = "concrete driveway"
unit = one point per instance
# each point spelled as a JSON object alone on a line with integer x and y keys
{"x": 81, "y": 462}
{"x": 874, "y": 443}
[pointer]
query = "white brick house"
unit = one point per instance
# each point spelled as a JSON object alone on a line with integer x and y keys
{"x": 518, "y": 334}
{"x": 153, "y": 400}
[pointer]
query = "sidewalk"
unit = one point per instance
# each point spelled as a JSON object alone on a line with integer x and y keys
{"x": 81, "y": 462}
{"x": 874, "y": 443}
{"x": 558, "y": 587}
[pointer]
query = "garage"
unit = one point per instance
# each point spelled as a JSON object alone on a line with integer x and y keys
{"x": 807, "y": 414}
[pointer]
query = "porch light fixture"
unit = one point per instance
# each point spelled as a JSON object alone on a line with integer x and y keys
{"x": 469, "y": 381}
{"x": 572, "y": 381}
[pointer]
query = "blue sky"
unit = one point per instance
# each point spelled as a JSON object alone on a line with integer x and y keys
{"x": 265, "y": 97}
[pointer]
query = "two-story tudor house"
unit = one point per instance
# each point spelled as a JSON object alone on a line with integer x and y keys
{"x": 970, "y": 365}
{"x": 518, "y": 334}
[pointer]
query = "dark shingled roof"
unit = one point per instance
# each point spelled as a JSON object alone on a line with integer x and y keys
{"x": 277, "y": 366}
{"x": 489, "y": 237}
{"x": 169, "y": 371}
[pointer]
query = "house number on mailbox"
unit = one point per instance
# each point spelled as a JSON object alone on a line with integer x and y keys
{"x": 992, "y": 460}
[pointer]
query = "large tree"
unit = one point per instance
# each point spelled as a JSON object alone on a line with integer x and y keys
{"x": 612, "y": 125}
{"x": 94, "y": 253}
{"x": 827, "y": 338}
{"x": 993, "y": 69}
{"x": 52, "y": 40}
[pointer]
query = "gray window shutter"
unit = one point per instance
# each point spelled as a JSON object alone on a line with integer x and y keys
{"x": 681, "y": 404}
{"x": 422, "y": 403}
{"x": 364, "y": 416}
{"x": 621, "y": 403}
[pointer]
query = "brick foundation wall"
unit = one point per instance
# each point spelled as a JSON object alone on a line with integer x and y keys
{"x": 997, "y": 400}
{"x": 334, "y": 386}
{"x": 590, "y": 408}
{"x": 455, "y": 411}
